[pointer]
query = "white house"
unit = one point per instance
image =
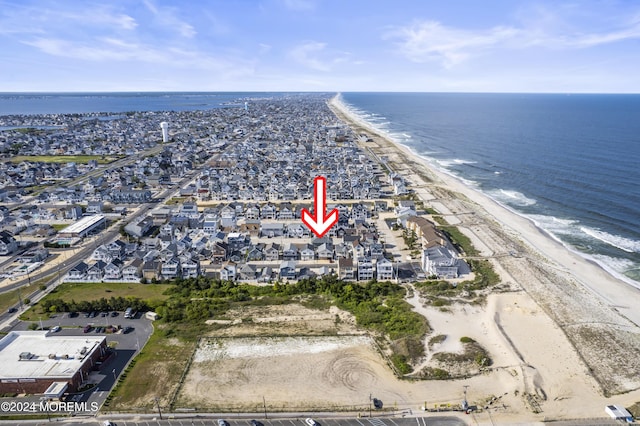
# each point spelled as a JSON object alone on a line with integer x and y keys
{"x": 384, "y": 269}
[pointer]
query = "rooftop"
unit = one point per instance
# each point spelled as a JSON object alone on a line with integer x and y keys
{"x": 83, "y": 223}
{"x": 40, "y": 354}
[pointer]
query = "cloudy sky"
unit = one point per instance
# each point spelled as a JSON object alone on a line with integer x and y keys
{"x": 320, "y": 45}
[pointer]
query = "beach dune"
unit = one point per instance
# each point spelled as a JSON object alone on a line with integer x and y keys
{"x": 582, "y": 345}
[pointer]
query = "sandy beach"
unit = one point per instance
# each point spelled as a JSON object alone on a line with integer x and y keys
{"x": 567, "y": 328}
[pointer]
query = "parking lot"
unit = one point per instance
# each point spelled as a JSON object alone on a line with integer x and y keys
{"x": 125, "y": 346}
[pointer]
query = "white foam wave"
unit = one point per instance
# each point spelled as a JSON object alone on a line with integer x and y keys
{"x": 618, "y": 264}
{"x": 512, "y": 197}
{"x": 454, "y": 162}
{"x": 616, "y": 267}
{"x": 553, "y": 227}
{"x": 554, "y": 224}
{"x": 626, "y": 244}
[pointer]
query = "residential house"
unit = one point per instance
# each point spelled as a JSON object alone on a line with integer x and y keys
{"x": 78, "y": 272}
{"x": 228, "y": 271}
{"x": 346, "y": 271}
{"x": 95, "y": 207}
{"x": 132, "y": 271}
{"x": 288, "y": 270}
{"x": 365, "y": 269}
{"x": 189, "y": 266}
{"x": 151, "y": 269}
{"x": 248, "y": 272}
{"x": 325, "y": 252}
{"x": 289, "y": 252}
{"x": 268, "y": 212}
{"x": 139, "y": 229}
{"x": 170, "y": 268}
{"x": 95, "y": 272}
{"x": 255, "y": 253}
{"x": 272, "y": 252}
{"x": 113, "y": 270}
{"x": 272, "y": 230}
{"x": 219, "y": 252}
{"x": 439, "y": 261}
{"x": 384, "y": 269}
{"x": 266, "y": 275}
{"x": 307, "y": 253}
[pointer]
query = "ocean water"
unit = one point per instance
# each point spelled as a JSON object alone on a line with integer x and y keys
{"x": 78, "y": 103}
{"x": 569, "y": 163}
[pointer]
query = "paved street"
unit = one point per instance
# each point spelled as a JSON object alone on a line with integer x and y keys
{"x": 387, "y": 421}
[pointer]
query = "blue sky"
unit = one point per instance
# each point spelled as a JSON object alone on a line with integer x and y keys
{"x": 320, "y": 45}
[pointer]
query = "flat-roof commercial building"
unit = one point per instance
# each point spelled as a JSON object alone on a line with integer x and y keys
{"x": 33, "y": 361}
{"x": 83, "y": 227}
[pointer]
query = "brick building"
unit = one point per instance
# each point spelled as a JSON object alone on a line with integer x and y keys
{"x": 32, "y": 361}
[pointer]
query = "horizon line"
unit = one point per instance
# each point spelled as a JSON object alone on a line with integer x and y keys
{"x": 46, "y": 92}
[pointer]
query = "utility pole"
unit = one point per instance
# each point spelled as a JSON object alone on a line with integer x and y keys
{"x": 264, "y": 405}
{"x": 158, "y": 405}
{"x": 465, "y": 403}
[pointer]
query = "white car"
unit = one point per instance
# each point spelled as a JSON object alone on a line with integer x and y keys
{"x": 311, "y": 422}
{"x": 108, "y": 423}
{"x": 55, "y": 329}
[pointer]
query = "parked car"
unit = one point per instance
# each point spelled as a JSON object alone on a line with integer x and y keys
{"x": 128, "y": 329}
{"x": 309, "y": 421}
{"x": 222, "y": 422}
{"x": 87, "y": 328}
{"x": 256, "y": 423}
{"x": 114, "y": 314}
{"x": 377, "y": 404}
{"x": 55, "y": 329}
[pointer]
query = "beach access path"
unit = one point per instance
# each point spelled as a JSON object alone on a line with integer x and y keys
{"x": 589, "y": 313}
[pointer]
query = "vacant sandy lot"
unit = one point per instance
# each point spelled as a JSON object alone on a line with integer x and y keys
{"x": 291, "y": 373}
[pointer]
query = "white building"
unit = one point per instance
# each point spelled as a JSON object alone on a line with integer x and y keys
{"x": 38, "y": 362}
{"x": 165, "y": 131}
{"x": 384, "y": 269}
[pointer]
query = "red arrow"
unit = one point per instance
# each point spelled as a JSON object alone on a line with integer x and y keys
{"x": 321, "y": 222}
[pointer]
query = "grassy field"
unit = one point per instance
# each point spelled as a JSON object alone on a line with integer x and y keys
{"x": 159, "y": 367}
{"x": 11, "y": 298}
{"x": 80, "y": 159}
{"x": 96, "y": 291}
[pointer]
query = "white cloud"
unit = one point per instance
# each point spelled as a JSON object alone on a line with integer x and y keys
{"x": 109, "y": 49}
{"x": 431, "y": 41}
{"x": 168, "y": 18}
{"x": 264, "y": 48}
{"x": 307, "y": 55}
{"x": 316, "y": 56}
{"x": 299, "y": 4}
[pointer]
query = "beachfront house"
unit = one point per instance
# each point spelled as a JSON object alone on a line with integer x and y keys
{"x": 439, "y": 261}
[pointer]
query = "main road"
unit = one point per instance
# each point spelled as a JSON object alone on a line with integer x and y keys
{"x": 292, "y": 420}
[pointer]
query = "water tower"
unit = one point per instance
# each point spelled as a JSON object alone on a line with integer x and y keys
{"x": 165, "y": 131}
